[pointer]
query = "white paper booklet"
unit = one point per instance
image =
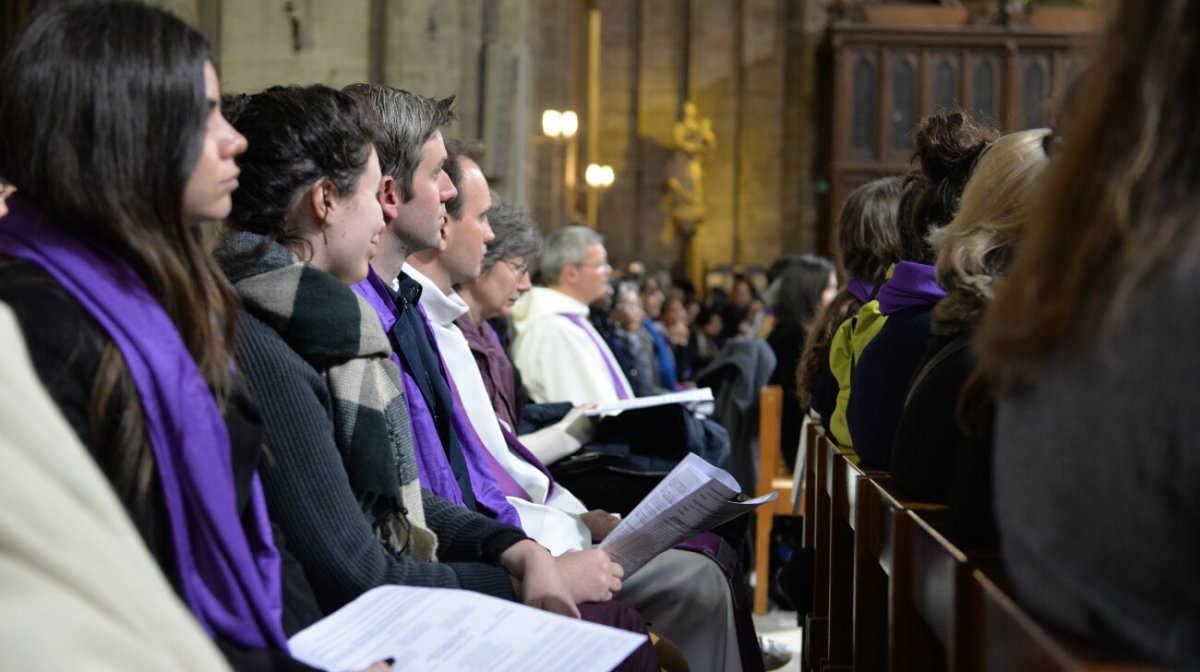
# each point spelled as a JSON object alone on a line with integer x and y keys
{"x": 684, "y": 397}
{"x": 445, "y": 630}
{"x": 695, "y": 497}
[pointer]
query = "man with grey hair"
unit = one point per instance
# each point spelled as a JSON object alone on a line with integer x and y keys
{"x": 560, "y": 355}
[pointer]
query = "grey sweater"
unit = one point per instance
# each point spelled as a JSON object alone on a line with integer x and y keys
{"x": 309, "y": 494}
{"x": 1097, "y": 466}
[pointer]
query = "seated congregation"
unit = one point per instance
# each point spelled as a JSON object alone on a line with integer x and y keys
{"x": 359, "y": 384}
{"x": 998, "y": 467}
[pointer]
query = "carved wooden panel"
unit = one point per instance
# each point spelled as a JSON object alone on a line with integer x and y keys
{"x": 888, "y": 75}
{"x": 864, "y": 105}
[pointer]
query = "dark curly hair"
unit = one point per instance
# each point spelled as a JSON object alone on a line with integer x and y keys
{"x": 297, "y": 136}
{"x": 947, "y": 146}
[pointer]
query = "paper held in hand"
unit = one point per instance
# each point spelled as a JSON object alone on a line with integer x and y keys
{"x": 687, "y": 396}
{"x": 695, "y": 497}
{"x": 446, "y": 630}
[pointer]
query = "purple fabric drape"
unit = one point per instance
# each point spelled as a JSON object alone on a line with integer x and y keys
{"x": 619, "y": 384}
{"x": 861, "y": 289}
{"x": 229, "y": 574}
{"x": 912, "y": 285}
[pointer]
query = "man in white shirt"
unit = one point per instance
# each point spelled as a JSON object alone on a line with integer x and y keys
{"x": 560, "y": 355}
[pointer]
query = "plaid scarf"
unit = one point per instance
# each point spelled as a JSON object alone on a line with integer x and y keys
{"x": 336, "y": 331}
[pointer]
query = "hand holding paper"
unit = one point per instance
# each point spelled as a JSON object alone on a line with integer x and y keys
{"x": 695, "y": 497}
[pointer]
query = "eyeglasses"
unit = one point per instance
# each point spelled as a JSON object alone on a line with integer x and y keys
{"x": 519, "y": 270}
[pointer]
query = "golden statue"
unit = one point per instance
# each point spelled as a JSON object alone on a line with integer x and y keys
{"x": 694, "y": 139}
{"x": 685, "y": 203}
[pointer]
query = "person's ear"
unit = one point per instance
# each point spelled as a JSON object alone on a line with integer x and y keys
{"x": 444, "y": 233}
{"x": 389, "y": 198}
{"x": 322, "y": 196}
{"x": 568, "y": 274}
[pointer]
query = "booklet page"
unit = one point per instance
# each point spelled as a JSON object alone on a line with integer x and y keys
{"x": 684, "y": 397}
{"x": 444, "y": 630}
{"x": 695, "y": 497}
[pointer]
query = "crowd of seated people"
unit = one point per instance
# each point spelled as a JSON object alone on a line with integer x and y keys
{"x": 235, "y": 398}
{"x": 340, "y": 394}
{"x": 1006, "y": 344}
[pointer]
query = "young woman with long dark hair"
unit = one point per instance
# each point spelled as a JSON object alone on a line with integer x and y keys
{"x": 113, "y": 134}
{"x": 867, "y": 244}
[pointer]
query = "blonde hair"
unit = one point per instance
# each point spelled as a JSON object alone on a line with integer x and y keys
{"x": 975, "y": 248}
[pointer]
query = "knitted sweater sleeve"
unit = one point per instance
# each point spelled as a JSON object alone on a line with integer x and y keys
{"x": 464, "y": 535}
{"x": 309, "y": 493}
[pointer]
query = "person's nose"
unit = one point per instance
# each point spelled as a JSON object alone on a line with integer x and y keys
{"x": 446, "y": 190}
{"x": 232, "y": 142}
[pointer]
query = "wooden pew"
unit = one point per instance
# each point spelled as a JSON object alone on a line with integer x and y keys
{"x": 1014, "y": 641}
{"x": 809, "y": 496}
{"x": 943, "y": 595}
{"x": 770, "y": 400}
{"x": 882, "y": 577}
{"x": 843, "y": 479}
{"x": 809, "y": 490}
{"x": 816, "y": 632}
{"x": 958, "y": 597}
{"x": 918, "y": 601}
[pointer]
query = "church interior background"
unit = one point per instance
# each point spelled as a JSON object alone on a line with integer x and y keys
{"x": 700, "y": 136}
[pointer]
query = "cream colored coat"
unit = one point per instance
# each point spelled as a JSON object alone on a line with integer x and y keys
{"x": 78, "y": 589}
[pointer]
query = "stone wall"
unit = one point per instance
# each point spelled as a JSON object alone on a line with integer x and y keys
{"x": 748, "y": 65}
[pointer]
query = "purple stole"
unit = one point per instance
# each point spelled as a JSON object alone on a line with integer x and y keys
{"x": 432, "y": 464}
{"x": 515, "y": 445}
{"x": 229, "y": 575}
{"x": 860, "y": 289}
{"x": 619, "y": 384}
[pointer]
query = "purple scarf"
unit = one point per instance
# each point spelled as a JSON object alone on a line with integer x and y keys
{"x": 912, "y": 285}
{"x": 860, "y": 289}
{"x": 228, "y": 576}
{"x": 432, "y": 464}
{"x": 483, "y": 340}
{"x": 507, "y": 484}
{"x": 494, "y": 366}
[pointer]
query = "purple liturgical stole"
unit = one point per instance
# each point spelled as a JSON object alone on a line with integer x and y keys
{"x": 622, "y": 391}
{"x": 508, "y": 485}
{"x": 515, "y": 445}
